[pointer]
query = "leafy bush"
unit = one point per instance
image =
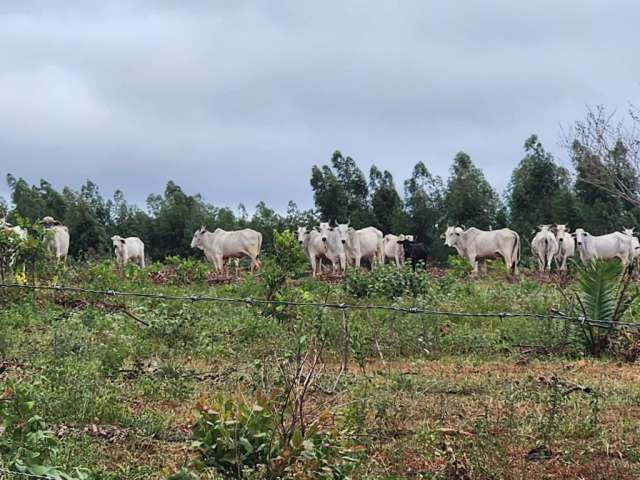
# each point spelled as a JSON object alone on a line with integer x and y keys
{"x": 287, "y": 253}
{"x": 240, "y": 438}
{"x": 26, "y": 442}
{"x": 285, "y": 263}
{"x": 386, "y": 281}
{"x": 233, "y": 435}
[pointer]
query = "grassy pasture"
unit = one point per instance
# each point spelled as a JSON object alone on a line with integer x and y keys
{"x": 122, "y": 382}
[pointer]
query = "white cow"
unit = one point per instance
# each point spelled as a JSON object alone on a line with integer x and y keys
{"x": 635, "y": 247}
{"x": 566, "y": 246}
{"x": 545, "y": 246}
{"x": 57, "y": 239}
{"x": 335, "y": 246}
{"x": 313, "y": 246}
{"x": 365, "y": 243}
{"x": 394, "y": 250}
{"x": 220, "y": 245}
{"x": 126, "y": 249}
{"x": 609, "y": 246}
{"x": 612, "y": 245}
{"x": 477, "y": 245}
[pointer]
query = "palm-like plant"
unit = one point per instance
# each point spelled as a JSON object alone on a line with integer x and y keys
{"x": 603, "y": 296}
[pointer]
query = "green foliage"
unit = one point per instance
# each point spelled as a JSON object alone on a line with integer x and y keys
{"x": 424, "y": 209}
{"x": 386, "y": 205}
{"x": 386, "y": 281}
{"x": 286, "y": 262}
{"x": 341, "y": 193}
{"x": 232, "y": 435}
{"x": 287, "y": 254}
{"x": 27, "y": 444}
{"x": 600, "y": 211}
{"x": 598, "y": 284}
{"x": 10, "y": 246}
{"x": 540, "y": 192}
{"x": 241, "y": 437}
{"x": 602, "y": 296}
{"x": 469, "y": 198}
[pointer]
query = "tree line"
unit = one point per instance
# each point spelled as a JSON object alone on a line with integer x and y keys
{"x": 540, "y": 191}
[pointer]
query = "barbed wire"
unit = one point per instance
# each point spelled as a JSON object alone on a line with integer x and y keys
{"x": 582, "y": 320}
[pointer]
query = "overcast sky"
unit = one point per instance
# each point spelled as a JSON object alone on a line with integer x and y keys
{"x": 238, "y": 99}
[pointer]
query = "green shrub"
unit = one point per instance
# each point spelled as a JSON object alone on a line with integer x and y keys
{"x": 386, "y": 281}
{"x": 27, "y": 444}
{"x": 240, "y": 438}
{"x": 233, "y": 435}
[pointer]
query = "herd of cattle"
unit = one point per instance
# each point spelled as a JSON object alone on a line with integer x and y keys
{"x": 342, "y": 245}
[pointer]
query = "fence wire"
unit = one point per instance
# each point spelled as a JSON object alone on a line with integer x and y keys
{"x": 581, "y": 320}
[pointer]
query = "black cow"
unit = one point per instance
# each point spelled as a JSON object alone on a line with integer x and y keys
{"x": 416, "y": 251}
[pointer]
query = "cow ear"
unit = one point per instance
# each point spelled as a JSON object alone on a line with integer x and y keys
{"x": 463, "y": 227}
{"x": 122, "y": 241}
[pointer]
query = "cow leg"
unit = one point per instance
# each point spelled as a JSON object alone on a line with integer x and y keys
{"x": 474, "y": 263}
{"x": 218, "y": 263}
{"x": 313, "y": 259}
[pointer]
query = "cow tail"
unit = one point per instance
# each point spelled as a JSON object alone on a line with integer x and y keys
{"x": 515, "y": 254}
{"x": 259, "y": 248}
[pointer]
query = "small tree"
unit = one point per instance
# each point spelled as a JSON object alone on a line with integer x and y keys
{"x": 602, "y": 296}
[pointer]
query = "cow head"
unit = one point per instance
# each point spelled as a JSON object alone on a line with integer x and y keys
{"x": 302, "y": 232}
{"x": 118, "y": 243}
{"x": 343, "y": 230}
{"x": 581, "y": 236}
{"x": 325, "y": 228}
{"x": 197, "y": 240}
{"x": 561, "y": 229}
{"x": 49, "y": 222}
{"x": 451, "y": 236}
{"x": 629, "y": 231}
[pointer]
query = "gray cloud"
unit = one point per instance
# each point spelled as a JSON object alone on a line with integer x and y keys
{"x": 236, "y": 100}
